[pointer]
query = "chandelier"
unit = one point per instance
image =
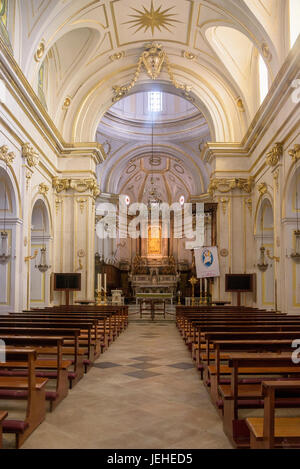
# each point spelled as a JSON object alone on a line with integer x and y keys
{"x": 295, "y": 256}
{"x": 43, "y": 266}
{"x": 154, "y": 197}
{"x": 262, "y": 264}
{"x": 5, "y": 253}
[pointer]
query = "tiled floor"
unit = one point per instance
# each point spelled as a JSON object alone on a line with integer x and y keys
{"x": 142, "y": 393}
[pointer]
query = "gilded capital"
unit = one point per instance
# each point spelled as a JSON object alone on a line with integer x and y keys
{"x": 6, "y": 155}
{"x": 274, "y": 156}
{"x": 78, "y": 185}
{"x": 228, "y": 184}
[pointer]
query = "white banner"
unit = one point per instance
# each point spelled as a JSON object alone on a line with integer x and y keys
{"x": 207, "y": 262}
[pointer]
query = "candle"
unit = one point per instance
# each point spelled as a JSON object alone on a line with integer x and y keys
{"x": 200, "y": 286}
{"x": 105, "y": 282}
{"x": 99, "y": 282}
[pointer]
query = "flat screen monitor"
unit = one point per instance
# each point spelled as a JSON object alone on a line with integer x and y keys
{"x": 67, "y": 282}
{"x": 239, "y": 283}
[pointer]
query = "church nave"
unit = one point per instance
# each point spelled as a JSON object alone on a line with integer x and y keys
{"x": 144, "y": 392}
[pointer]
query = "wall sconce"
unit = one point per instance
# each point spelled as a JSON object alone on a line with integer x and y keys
{"x": 272, "y": 258}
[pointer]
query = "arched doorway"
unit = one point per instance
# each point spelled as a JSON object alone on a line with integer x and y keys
{"x": 40, "y": 239}
{"x": 265, "y": 237}
{"x": 8, "y": 224}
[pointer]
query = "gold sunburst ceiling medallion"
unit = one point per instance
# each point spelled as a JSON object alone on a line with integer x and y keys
{"x": 152, "y": 19}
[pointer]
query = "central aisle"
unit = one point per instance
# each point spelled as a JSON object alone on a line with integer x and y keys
{"x": 144, "y": 392}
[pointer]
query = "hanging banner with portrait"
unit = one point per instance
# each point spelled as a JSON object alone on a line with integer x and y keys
{"x": 207, "y": 262}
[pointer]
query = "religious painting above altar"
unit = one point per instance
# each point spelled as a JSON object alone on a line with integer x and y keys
{"x": 154, "y": 247}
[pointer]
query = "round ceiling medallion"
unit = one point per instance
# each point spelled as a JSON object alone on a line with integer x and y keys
{"x": 179, "y": 169}
{"x": 131, "y": 169}
{"x": 155, "y": 161}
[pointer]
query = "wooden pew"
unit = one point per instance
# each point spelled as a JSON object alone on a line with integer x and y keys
{"x": 88, "y": 336}
{"x": 222, "y": 349}
{"x": 51, "y": 369}
{"x": 67, "y": 334}
{"x": 270, "y": 432}
{"x": 3, "y": 415}
{"x": 96, "y": 335}
{"x": 107, "y": 327}
{"x": 236, "y": 396}
{"x": 245, "y": 334}
{"x": 30, "y": 388}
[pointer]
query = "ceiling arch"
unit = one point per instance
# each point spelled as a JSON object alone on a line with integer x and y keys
{"x": 112, "y": 58}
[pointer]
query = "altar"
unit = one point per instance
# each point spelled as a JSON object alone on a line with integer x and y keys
{"x": 154, "y": 278}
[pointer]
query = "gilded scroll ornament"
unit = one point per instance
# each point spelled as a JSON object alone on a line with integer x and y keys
{"x": 6, "y": 155}
{"x": 262, "y": 188}
{"x": 117, "y": 56}
{"x": 274, "y": 156}
{"x": 152, "y": 60}
{"x": 224, "y": 202}
{"x": 30, "y": 154}
{"x": 295, "y": 153}
{"x": 39, "y": 52}
{"x": 43, "y": 188}
{"x": 266, "y": 52}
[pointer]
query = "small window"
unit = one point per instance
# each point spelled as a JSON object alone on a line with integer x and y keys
{"x": 155, "y": 101}
{"x": 263, "y": 79}
{"x": 294, "y": 21}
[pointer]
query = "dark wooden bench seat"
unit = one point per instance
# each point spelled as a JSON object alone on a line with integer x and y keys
{"x": 3, "y": 415}
{"x": 261, "y": 364}
{"x": 54, "y": 369}
{"x": 30, "y": 388}
{"x": 67, "y": 334}
{"x": 275, "y": 432}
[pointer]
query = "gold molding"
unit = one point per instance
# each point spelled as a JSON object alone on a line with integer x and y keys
{"x": 262, "y": 188}
{"x": 276, "y": 179}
